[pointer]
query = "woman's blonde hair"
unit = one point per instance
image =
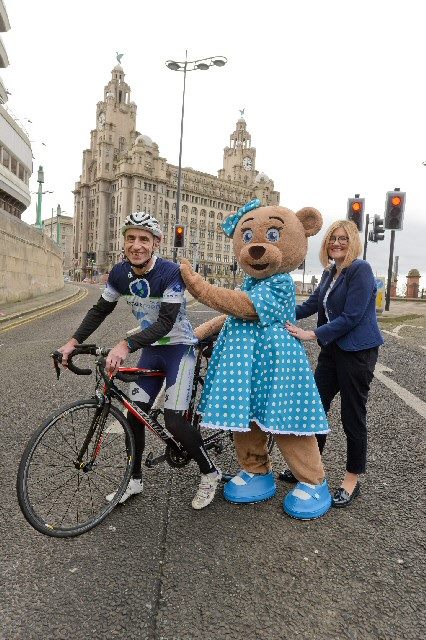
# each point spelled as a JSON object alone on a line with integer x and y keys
{"x": 354, "y": 244}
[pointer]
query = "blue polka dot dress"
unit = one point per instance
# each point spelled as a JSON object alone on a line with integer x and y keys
{"x": 259, "y": 372}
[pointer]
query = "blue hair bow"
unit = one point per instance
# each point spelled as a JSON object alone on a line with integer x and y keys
{"x": 231, "y": 221}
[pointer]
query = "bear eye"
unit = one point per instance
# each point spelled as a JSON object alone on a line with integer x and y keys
{"x": 247, "y": 235}
{"x": 273, "y": 235}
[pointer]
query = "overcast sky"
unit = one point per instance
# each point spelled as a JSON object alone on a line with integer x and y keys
{"x": 333, "y": 92}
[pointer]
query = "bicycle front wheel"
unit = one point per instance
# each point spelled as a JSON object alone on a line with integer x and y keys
{"x": 61, "y": 492}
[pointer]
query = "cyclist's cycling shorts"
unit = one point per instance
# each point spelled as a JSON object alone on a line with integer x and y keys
{"x": 178, "y": 362}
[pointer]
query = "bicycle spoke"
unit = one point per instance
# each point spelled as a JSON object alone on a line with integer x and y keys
{"x": 109, "y": 443}
{"x": 66, "y": 440}
{"x": 57, "y": 498}
{"x": 102, "y": 475}
{"x": 90, "y": 490}
{"x": 69, "y": 504}
{"x": 59, "y": 453}
{"x": 55, "y": 475}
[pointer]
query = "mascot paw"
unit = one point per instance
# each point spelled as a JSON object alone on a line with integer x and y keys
{"x": 186, "y": 266}
{"x": 307, "y": 502}
{"x": 250, "y": 487}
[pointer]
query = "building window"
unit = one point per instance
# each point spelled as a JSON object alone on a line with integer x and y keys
{"x": 6, "y": 158}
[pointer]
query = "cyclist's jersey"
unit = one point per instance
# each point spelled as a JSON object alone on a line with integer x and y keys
{"x": 144, "y": 294}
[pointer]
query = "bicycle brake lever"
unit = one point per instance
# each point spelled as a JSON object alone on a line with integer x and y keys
{"x": 57, "y": 357}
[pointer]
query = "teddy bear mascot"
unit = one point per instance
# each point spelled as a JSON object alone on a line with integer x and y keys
{"x": 259, "y": 378}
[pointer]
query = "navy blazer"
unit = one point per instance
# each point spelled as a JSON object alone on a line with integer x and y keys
{"x": 351, "y": 307}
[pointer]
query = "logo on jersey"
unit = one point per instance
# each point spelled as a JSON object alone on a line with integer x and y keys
{"x": 177, "y": 287}
{"x": 140, "y": 288}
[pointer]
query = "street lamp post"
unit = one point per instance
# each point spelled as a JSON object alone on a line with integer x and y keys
{"x": 40, "y": 192}
{"x": 188, "y": 65}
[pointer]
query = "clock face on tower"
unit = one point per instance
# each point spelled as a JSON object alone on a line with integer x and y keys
{"x": 247, "y": 163}
{"x": 101, "y": 121}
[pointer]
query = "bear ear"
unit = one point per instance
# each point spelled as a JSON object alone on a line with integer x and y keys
{"x": 311, "y": 220}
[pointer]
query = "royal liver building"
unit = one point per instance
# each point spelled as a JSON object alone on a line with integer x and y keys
{"x": 124, "y": 172}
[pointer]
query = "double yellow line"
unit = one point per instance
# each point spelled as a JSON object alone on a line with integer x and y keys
{"x": 40, "y": 313}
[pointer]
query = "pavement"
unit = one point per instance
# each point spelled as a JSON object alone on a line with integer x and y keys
{"x": 16, "y": 313}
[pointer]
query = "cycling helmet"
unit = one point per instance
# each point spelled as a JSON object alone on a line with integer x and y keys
{"x": 142, "y": 220}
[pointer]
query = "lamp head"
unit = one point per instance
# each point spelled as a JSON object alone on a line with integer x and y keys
{"x": 219, "y": 62}
{"x": 174, "y": 66}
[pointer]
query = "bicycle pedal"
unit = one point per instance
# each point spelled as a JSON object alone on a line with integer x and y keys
{"x": 150, "y": 461}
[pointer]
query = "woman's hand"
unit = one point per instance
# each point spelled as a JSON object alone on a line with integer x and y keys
{"x": 300, "y": 334}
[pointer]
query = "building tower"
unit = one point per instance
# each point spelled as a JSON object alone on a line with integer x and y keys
{"x": 124, "y": 172}
{"x": 94, "y": 222}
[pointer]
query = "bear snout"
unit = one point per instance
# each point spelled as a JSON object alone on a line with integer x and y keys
{"x": 256, "y": 252}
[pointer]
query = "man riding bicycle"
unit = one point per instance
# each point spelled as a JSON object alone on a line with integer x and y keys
{"x": 155, "y": 291}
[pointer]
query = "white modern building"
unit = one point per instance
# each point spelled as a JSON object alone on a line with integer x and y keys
{"x": 15, "y": 147}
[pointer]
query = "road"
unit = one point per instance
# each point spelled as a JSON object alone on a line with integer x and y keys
{"x": 157, "y": 570}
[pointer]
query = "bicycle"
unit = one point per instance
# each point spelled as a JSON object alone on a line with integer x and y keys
{"x": 84, "y": 450}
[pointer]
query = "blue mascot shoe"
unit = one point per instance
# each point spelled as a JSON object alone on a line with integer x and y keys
{"x": 306, "y": 502}
{"x": 250, "y": 487}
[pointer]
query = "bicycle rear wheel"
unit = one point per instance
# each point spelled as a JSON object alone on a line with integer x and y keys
{"x": 61, "y": 497}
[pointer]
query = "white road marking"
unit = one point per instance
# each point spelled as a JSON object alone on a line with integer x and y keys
{"x": 395, "y": 331}
{"x": 409, "y": 398}
{"x": 114, "y": 427}
{"x": 391, "y": 333}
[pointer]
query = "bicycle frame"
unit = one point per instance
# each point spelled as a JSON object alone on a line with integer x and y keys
{"x": 111, "y": 392}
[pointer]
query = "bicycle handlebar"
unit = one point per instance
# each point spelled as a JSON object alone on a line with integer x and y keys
{"x": 206, "y": 345}
{"x": 92, "y": 349}
{"x": 86, "y": 349}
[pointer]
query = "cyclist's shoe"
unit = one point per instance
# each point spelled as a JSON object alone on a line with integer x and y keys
{"x": 135, "y": 486}
{"x": 206, "y": 489}
{"x": 250, "y": 487}
{"x": 308, "y": 501}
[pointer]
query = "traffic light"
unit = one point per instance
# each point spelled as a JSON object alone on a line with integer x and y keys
{"x": 234, "y": 266}
{"x": 394, "y": 209}
{"x": 91, "y": 256}
{"x": 356, "y": 211}
{"x": 179, "y": 238}
{"x": 378, "y": 232}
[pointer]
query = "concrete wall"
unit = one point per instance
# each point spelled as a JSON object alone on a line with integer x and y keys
{"x": 30, "y": 263}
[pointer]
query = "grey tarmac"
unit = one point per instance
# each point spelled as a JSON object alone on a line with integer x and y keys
{"x": 157, "y": 570}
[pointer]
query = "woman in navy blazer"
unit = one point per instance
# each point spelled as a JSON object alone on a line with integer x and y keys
{"x": 349, "y": 336}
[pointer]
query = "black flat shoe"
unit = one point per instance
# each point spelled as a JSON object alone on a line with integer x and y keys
{"x": 287, "y": 476}
{"x": 342, "y": 498}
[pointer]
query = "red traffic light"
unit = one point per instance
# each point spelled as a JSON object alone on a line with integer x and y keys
{"x": 179, "y": 238}
{"x": 355, "y": 211}
{"x": 394, "y": 210}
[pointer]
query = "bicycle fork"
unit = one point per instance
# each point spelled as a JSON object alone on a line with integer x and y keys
{"x": 97, "y": 424}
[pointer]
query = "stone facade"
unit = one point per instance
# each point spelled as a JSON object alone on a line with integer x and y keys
{"x": 123, "y": 171}
{"x": 30, "y": 263}
{"x": 63, "y": 235}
